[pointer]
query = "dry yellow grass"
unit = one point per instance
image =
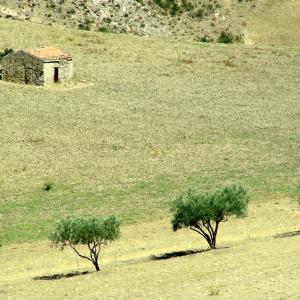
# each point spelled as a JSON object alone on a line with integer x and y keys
{"x": 275, "y": 22}
{"x": 250, "y": 264}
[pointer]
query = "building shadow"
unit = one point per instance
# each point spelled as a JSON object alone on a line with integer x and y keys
{"x": 61, "y": 276}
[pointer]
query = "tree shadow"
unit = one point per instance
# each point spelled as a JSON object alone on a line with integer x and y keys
{"x": 174, "y": 254}
{"x": 287, "y": 234}
{"x": 61, "y": 276}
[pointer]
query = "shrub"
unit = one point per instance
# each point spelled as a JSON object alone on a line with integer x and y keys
{"x": 141, "y": 2}
{"x": 48, "y": 186}
{"x": 103, "y": 29}
{"x": 173, "y": 7}
{"x": 6, "y": 52}
{"x": 86, "y": 25}
{"x": 93, "y": 232}
{"x": 203, "y": 212}
{"x": 225, "y": 38}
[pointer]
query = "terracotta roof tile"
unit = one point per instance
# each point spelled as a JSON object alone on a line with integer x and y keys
{"x": 49, "y": 53}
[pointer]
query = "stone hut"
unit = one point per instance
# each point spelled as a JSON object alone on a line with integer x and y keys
{"x": 40, "y": 66}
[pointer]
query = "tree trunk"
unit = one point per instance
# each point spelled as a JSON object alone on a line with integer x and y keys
{"x": 96, "y": 265}
{"x": 213, "y": 242}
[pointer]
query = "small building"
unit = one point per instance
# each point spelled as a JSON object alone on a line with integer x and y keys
{"x": 40, "y": 66}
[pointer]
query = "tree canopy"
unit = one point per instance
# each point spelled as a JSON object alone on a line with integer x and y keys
{"x": 202, "y": 212}
{"x": 94, "y": 232}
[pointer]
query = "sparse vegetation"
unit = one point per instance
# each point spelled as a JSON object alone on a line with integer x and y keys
{"x": 225, "y": 38}
{"x": 203, "y": 212}
{"x": 92, "y": 232}
{"x": 173, "y": 7}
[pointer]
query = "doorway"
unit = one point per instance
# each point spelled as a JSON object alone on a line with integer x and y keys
{"x": 55, "y": 74}
{"x": 27, "y": 74}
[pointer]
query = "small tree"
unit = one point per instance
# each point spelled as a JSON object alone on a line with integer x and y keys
{"x": 203, "y": 212}
{"x": 94, "y": 232}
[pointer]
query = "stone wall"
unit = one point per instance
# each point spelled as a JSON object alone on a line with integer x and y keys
{"x": 22, "y": 68}
{"x": 65, "y": 71}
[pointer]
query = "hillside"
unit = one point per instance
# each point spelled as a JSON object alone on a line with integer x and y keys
{"x": 144, "y": 119}
{"x": 252, "y": 21}
{"x": 146, "y": 116}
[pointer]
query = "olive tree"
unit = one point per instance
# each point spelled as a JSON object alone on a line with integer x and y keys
{"x": 93, "y": 232}
{"x": 203, "y": 212}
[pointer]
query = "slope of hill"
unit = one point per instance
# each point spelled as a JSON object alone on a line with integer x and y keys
{"x": 251, "y": 21}
{"x": 275, "y": 23}
{"x": 152, "y": 117}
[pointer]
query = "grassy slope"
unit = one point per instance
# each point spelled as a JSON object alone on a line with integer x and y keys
{"x": 153, "y": 117}
{"x": 250, "y": 263}
{"x": 274, "y": 22}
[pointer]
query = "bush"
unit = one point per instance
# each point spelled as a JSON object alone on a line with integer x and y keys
{"x": 173, "y": 7}
{"x": 86, "y": 25}
{"x": 141, "y": 2}
{"x": 103, "y": 29}
{"x": 93, "y": 232}
{"x": 203, "y": 212}
{"x": 6, "y": 52}
{"x": 48, "y": 186}
{"x": 225, "y": 38}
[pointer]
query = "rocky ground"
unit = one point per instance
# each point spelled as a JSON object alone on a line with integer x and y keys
{"x": 198, "y": 20}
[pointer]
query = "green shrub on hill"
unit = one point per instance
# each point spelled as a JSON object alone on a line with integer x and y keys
{"x": 225, "y": 38}
{"x": 173, "y": 7}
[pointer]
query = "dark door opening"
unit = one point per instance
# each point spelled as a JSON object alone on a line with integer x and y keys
{"x": 55, "y": 74}
{"x": 27, "y": 76}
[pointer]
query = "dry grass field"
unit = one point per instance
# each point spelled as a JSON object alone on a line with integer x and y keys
{"x": 143, "y": 120}
{"x": 275, "y": 23}
{"x": 250, "y": 263}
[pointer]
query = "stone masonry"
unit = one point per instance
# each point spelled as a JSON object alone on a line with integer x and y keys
{"x": 41, "y": 66}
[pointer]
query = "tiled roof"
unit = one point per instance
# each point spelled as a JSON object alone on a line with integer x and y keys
{"x": 47, "y": 54}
